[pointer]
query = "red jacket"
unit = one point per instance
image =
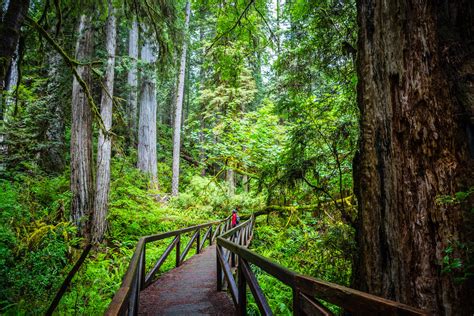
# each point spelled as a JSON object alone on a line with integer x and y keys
{"x": 234, "y": 219}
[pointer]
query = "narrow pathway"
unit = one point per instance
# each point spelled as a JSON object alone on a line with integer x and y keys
{"x": 188, "y": 290}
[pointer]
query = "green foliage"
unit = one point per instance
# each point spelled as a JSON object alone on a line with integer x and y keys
{"x": 207, "y": 197}
{"x": 458, "y": 261}
{"x": 35, "y": 241}
{"x": 315, "y": 246}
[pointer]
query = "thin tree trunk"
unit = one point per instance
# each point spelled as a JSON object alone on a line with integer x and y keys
{"x": 202, "y": 123}
{"x": 415, "y": 73}
{"x": 245, "y": 182}
{"x": 104, "y": 144}
{"x": 179, "y": 108}
{"x": 132, "y": 80}
{"x": 81, "y": 135}
{"x": 147, "y": 121}
{"x": 230, "y": 177}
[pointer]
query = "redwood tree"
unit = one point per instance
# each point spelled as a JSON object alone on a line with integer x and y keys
{"x": 415, "y": 69}
{"x": 81, "y": 133}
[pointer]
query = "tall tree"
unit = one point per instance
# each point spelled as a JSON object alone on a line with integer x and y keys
{"x": 81, "y": 133}
{"x": 11, "y": 22}
{"x": 132, "y": 80}
{"x": 179, "y": 108}
{"x": 414, "y": 67}
{"x": 147, "y": 120}
{"x": 52, "y": 158}
{"x": 104, "y": 144}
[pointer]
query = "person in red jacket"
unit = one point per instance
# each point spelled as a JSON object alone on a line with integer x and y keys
{"x": 234, "y": 218}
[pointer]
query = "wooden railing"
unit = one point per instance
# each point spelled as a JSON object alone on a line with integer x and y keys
{"x": 232, "y": 253}
{"x": 125, "y": 301}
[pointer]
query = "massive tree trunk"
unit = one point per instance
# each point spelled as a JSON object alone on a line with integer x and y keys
{"x": 132, "y": 80}
{"x": 104, "y": 144}
{"x": 10, "y": 26}
{"x": 179, "y": 108}
{"x": 81, "y": 134}
{"x": 147, "y": 120}
{"x": 415, "y": 68}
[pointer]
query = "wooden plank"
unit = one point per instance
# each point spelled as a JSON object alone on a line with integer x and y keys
{"x": 255, "y": 288}
{"x": 242, "y": 284}
{"x": 159, "y": 262}
{"x": 218, "y": 228}
{"x": 68, "y": 279}
{"x": 281, "y": 273}
{"x": 210, "y": 236}
{"x": 188, "y": 246}
{"x": 121, "y": 295}
{"x": 119, "y": 302}
{"x": 156, "y": 237}
{"x": 229, "y": 278}
{"x": 142, "y": 268}
{"x": 204, "y": 238}
{"x": 219, "y": 271}
{"x": 178, "y": 249}
{"x": 352, "y": 300}
{"x": 198, "y": 241}
{"x": 311, "y": 307}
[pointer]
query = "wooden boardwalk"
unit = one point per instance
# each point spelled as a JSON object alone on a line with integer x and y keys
{"x": 190, "y": 289}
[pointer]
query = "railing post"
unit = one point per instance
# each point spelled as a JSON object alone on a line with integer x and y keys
{"x": 232, "y": 259}
{"x": 210, "y": 236}
{"x": 242, "y": 301}
{"x": 219, "y": 269}
{"x": 178, "y": 253}
{"x": 142, "y": 271}
{"x": 198, "y": 239}
{"x": 296, "y": 303}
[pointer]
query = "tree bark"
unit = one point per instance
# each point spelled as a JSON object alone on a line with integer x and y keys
{"x": 147, "y": 121}
{"x": 104, "y": 144}
{"x": 132, "y": 80}
{"x": 81, "y": 135}
{"x": 230, "y": 177}
{"x": 10, "y": 27}
{"x": 179, "y": 108}
{"x": 415, "y": 67}
{"x": 52, "y": 158}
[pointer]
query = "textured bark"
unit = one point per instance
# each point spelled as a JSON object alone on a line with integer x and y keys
{"x": 147, "y": 120}
{"x": 104, "y": 144}
{"x": 178, "y": 109}
{"x": 53, "y": 157}
{"x": 415, "y": 67}
{"x": 81, "y": 135}
{"x": 10, "y": 34}
{"x": 132, "y": 80}
{"x": 230, "y": 177}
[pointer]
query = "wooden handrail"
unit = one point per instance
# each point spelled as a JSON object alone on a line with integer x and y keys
{"x": 68, "y": 279}
{"x": 306, "y": 290}
{"x": 125, "y": 300}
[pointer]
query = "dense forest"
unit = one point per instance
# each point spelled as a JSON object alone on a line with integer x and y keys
{"x": 345, "y": 126}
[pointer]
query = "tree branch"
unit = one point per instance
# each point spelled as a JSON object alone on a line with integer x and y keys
{"x": 232, "y": 28}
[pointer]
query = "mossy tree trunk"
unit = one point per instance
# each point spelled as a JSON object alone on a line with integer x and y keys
{"x": 81, "y": 134}
{"x": 104, "y": 144}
